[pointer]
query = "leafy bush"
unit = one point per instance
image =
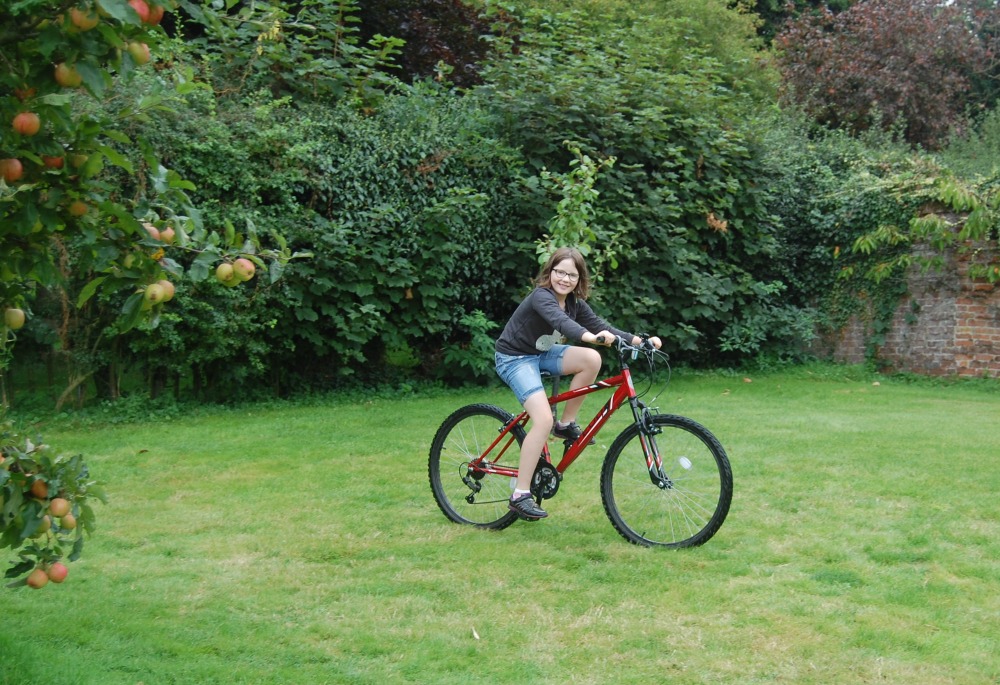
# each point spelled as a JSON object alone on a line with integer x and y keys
{"x": 975, "y": 151}
{"x": 472, "y": 359}
{"x": 311, "y": 49}
{"x": 408, "y": 212}
{"x": 414, "y": 216}
{"x": 719, "y": 32}
{"x": 826, "y": 189}
{"x": 681, "y": 208}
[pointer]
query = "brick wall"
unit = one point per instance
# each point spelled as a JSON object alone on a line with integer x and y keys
{"x": 948, "y": 325}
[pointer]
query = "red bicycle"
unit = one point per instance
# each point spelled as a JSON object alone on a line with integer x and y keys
{"x": 666, "y": 480}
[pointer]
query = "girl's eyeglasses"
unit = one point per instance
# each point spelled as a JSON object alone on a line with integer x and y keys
{"x": 565, "y": 275}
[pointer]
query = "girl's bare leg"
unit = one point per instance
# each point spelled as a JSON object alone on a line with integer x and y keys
{"x": 538, "y": 408}
{"x": 584, "y": 363}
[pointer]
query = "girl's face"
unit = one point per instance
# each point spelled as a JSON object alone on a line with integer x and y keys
{"x": 564, "y": 277}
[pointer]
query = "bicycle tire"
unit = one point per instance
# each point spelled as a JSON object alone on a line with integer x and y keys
{"x": 463, "y": 437}
{"x": 690, "y": 508}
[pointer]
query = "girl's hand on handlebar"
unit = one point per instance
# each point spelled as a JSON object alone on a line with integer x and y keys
{"x": 603, "y": 338}
{"x": 652, "y": 342}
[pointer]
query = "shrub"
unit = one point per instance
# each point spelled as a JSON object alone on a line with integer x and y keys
{"x": 681, "y": 208}
{"x": 407, "y": 211}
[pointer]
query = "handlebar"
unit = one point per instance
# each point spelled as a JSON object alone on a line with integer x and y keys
{"x": 621, "y": 345}
{"x": 653, "y": 357}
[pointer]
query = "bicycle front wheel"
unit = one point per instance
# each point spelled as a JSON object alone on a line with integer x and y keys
{"x": 464, "y": 493}
{"x": 682, "y": 506}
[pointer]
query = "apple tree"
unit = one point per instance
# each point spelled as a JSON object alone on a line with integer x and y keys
{"x": 58, "y": 57}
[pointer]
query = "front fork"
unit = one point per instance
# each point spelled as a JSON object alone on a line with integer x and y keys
{"x": 648, "y": 430}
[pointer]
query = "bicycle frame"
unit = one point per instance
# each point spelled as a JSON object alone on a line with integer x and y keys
{"x": 625, "y": 393}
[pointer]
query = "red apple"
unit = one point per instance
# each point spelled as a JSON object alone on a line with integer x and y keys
{"x": 141, "y": 8}
{"x": 27, "y": 123}
{"x": 67, "y": 522}
{"x": 14, "y": 318}
{"x": 11, "y": 169}
{"x": 167, "y": 235}
{"x": 139, "y": 52}
{"x": 83, "y": 19}
{"x": 52, "y": 162}
{"x": 57, "y": 572}
{"x": 168, "y": 289}
{"x": 59, "y": 506}
{"x": 40, "y": 489}
{"x": 244, "y": 268}
{"x": 67, "y": 76}
{"x": 155, "y": 15}
{"x": 38, "y": 578}
{"x": 152, "y": 230}
{"x": 77, "y": 208}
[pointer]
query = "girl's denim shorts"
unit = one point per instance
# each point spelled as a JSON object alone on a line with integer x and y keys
{"x": 523, "y": 372}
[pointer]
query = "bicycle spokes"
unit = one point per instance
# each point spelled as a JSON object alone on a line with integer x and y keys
{"x": 468, "y": 486}
{"x": 672, "y": 491}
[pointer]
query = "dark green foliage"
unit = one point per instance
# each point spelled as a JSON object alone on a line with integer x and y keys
{"x": 829, "y": 191}
{"x": 443, "y": 38}
{"x": 681, "y": 207}
{"x": 775, "y": 13}
{"x": 409, "y": 214}
{"x": 309, "y": 48}
{"x": 414, "y": 224}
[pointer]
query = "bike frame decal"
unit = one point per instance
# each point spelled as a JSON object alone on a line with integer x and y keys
{"x": 614, "y": 403}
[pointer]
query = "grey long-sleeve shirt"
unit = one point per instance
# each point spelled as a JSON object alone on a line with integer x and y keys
{"x": 539, "y": 322}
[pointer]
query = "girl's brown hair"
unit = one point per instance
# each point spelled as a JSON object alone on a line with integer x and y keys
{"x": 582, "y": 290}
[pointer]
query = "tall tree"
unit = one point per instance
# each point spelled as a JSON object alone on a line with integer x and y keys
{"x": 58, "y": 197}
{"x": 883, "y": 63}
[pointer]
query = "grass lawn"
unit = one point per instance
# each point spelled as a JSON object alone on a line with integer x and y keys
{"x": 301, "y": 544}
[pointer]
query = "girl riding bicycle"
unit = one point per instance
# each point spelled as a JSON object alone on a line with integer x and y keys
{"x": 532, "y": 342}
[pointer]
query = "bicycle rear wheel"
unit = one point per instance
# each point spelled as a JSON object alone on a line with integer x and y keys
{"x": 685, "y": 508}
{"x": 466, "y": 494}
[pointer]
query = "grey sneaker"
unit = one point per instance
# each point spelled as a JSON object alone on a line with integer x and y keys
{"x": 568, "y": 431}
{"x": 525, "y": 507}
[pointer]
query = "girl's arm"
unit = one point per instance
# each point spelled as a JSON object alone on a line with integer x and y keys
{"x": 591, "y": 321}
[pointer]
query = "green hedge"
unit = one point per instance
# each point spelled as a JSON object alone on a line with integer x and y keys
{"x": 409, "y": 213}
{"x": 682, "y": 210}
